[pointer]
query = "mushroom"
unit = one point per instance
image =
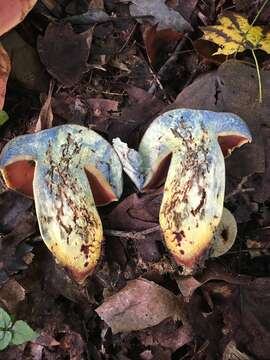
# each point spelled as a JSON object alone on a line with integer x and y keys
{"x": 225, "y": 234}
{"x": 186, "y": 149}
{"x": 68, "y": 170}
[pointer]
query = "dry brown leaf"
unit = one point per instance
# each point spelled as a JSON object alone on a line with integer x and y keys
{"x": 45, "y": 117}
{"x": 4, "y": 74}
{"x": 65, "y": 53}
{"x": 11, "y": 294}
{"x": 159, "y": 42}
{"x": 25, "y": 64}
{"x": 13, "y": 12}
{"x": 139, "y": 305}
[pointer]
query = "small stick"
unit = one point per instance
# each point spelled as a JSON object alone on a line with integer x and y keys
{"x": 135, "y": 235}
{"x": 170, "y": 61}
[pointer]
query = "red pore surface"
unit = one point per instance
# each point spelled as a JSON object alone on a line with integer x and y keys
{"x": 159, "y": 176}
{"x": 19, "y": 176}
{"x": 102, "y": 192}
{"x": 229, "y": 142}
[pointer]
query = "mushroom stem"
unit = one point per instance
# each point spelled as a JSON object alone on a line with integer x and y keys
{"x": 68, "y": 219}
{"x": 193, "y": 196}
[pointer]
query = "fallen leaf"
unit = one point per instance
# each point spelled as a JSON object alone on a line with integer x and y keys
{"x": 65, "y": 53}
{"x": 13, "y": 249}
{"x": 70, "y": 108}
{"x": 11, "y": 295}
{"x": 5, "y": 68}
{"x": 231, "y": 352}
{"x": 162, "y": 15}
{"x": 235, "y": 35}
{"x": 206, "y": 50}
{"x": 139, "y": 305}
{"x": 245, "y": 313}
{"x": 12, "y": 13}
{"x": 3, "y": 117}
{"x": 185, "y": 8}
{"x": 159, "y": 42}
{"x": 73, "y": 344}
{"x": 25, "y": 64}
{"x": 169, "y": 335}
{"x": 12, "y": 208}
{"x": 89, "y": 18}
{"x": 45, "y": 117}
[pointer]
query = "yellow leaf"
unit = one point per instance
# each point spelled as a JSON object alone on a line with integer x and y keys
{"x": 235, "y": 34}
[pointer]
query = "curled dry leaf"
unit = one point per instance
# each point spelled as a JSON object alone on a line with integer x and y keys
{"x": 13, "y": 12}
{"x": 4, "y": 74}
{"x": 139, "y": 305}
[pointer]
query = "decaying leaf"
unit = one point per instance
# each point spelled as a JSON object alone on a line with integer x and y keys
{"x": 4, "y": 74}
{"x": 235, "y": 34}
{"x": 65, "y": 53}
{"x": 161, "y": 14}
{"x": 11, "y": 294}
{"x": 159, "y": 42}
{"x": 3, "y": 117}
{"x": 139, "y": 305}
{"x": 25, "y": 63}
{"x": 45, "y": 117}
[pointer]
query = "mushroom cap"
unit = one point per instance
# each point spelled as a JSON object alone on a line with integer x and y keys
{"x": 95, "y": 154}
{"x": 225, "y": 234}
{"x": 159, "y": 142}
{"x": 13, "y": 12}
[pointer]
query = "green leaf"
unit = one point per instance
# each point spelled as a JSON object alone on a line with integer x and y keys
{"x": 3, "y": 117}
{"x": 5, "y": 321}
{"x": 5, "y": 338}
{"x": 22, "y": 333}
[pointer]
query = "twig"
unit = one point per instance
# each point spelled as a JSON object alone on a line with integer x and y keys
{"x": 259, "y": 75}
{"x": 168, "y": 64}
{"x": 240, "y": 188}
{"x": 135, "y": 235}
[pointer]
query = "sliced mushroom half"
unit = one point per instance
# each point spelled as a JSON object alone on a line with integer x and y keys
{"x": 186, "y": 149}
{"x": 68, "y": 170}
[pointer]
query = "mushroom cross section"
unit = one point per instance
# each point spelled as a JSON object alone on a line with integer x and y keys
{"x": 189, "y": 147}
{"x": 68, "y": 170}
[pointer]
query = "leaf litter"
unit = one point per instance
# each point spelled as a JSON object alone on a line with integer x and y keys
{"x": 116, "y": 66}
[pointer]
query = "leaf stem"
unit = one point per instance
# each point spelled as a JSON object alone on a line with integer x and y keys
{"x": 259, "y": 12}
{"x": 258, "y": 74}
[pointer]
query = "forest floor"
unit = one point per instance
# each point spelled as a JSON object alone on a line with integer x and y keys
{"x": 114, "y": 66}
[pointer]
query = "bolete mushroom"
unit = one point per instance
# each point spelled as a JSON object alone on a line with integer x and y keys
{"x": 186, "y": 149}
{"x": 68, "y": 170}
